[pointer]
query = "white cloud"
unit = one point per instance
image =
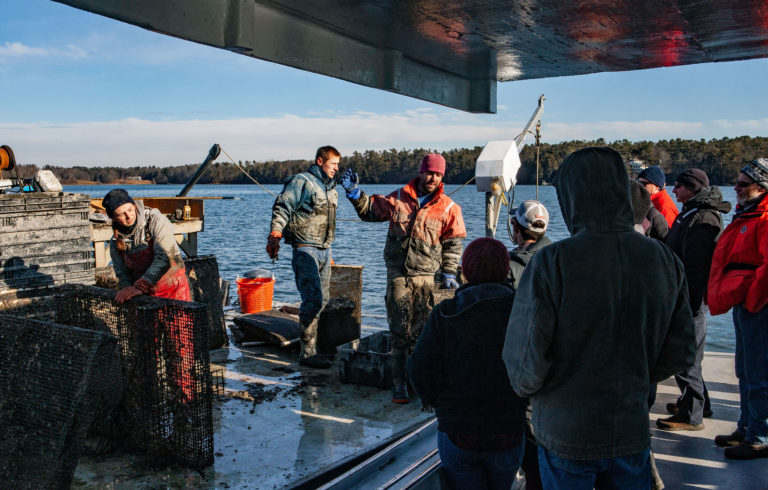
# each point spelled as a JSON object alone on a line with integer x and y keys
{"x": 19, "y": 50}
{"x": 142, "y": 142}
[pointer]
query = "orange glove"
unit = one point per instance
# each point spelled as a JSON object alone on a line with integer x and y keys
{"x": 128, "y": 292}
{"x": 273, "y": 244}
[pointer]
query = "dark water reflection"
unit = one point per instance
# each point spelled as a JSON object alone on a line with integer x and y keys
{"x": 236, "y": 231}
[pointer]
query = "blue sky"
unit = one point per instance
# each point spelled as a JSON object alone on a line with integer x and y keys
{"x": 80, "y": 89}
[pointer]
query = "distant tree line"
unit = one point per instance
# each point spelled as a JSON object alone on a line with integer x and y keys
{"x": 719, "y": 158}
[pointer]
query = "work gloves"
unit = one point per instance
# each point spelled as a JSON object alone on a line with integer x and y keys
{"x": 349, "y": 181}
{"x": 273, "y": 244}
{"x": 449, "y": 281}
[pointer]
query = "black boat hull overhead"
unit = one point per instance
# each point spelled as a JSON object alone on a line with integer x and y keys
{"x": 454, "y": 52}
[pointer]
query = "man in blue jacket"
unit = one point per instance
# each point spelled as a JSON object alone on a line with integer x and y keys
{"x": 597, "y": 318}
{"x": 305, "y": 215}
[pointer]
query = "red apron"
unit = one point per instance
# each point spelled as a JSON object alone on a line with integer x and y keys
{"x": 173, "y": 285}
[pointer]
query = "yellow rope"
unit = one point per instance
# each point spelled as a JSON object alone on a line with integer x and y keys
{"x": 246, "y": 173}
{"x": 463, "y": 186}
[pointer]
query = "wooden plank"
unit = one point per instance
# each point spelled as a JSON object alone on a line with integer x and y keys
{"x": 41, "y": 201}
{"x": 46, "y": 249}
{"x": 44, "y": 220}
{"x": 43, "y": 236}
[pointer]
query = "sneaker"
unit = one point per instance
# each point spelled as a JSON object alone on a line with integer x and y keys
{"x": 318, "y": 361}
{"x": 747, "y": 450}
{"x": 730, "y": 440}
{"x": 399, "y": 391}
{"x": 676, "y": 422}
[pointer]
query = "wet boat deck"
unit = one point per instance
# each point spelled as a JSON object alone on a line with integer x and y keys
{"x": 279, "y": 423}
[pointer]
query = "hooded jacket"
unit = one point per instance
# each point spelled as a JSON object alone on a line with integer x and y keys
{"x": 519, "y": 258}
{"x": 456, "y": 365}
{"x": 739, "y": 274}
{"x": 421, "y": 239}
{"x": 597, "y": 319}
{"x": 305, "y": 211}
{"x": 665, "y": 205}
{"x": 151, "y": 226}
{"x": 693, "y": 238}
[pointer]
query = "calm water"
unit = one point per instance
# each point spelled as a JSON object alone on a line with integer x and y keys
{"x": 236, "y": 232}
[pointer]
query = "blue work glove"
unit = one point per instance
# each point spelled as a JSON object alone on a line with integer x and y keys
{"x": 449, "y": 281}
{"x": 349, "y": 182}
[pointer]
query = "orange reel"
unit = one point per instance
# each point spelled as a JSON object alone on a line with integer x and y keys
{"x": 7, "y": 159}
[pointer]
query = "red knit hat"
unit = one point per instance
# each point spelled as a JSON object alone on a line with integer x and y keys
{"x": 485, "y": 260}
{"x": 433, "y": 163}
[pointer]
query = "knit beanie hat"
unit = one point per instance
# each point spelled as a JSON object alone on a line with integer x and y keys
{"x": 433, "y": 163}
{"x": 694, "y": 179}
{"x": 114, "y": 199}
{"x": 757, "y": 170}
{"x": 654, "y": 175}
{"x": 641, "y": 201}
{"x": 485, "y": 260}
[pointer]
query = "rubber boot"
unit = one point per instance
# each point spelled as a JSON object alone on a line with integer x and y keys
{"x": 308, "y": 355}
{"x": 399, "y": 381}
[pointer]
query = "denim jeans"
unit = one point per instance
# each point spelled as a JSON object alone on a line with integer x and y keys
{"x": 470, "y": 469}
{"x": 312, "y": 270}
{"x": 631, "y": 472}
{"x": 752, "y": 371}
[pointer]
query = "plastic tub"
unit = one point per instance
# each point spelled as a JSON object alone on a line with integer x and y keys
{"x": 255, "y": 294}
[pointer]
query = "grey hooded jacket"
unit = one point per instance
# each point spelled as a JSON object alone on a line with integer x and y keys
{"x": 598, "y": 317}
{"x": 153, "y": 225}
{"x": 305, "y": 211}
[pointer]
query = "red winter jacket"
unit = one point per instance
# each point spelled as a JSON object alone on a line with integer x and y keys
{"x": 739, "y": 273}
{"x": 665, "y": 205}
{"x": 421, "y": 240}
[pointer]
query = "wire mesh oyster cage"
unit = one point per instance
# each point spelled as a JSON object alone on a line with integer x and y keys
{"x": 52, "y": 386}
{"x": 164, "y": 367}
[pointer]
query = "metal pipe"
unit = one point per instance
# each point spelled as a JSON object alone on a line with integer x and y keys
{"x": 213, "y": 153}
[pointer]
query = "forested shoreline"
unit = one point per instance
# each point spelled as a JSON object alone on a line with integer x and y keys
{"x": 719, "y": 158}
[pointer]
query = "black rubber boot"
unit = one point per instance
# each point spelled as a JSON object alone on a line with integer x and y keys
{"x": 399, "y": 382}
{"x": 399, "y": 391}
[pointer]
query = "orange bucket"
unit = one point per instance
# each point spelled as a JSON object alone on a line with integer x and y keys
{"x": 255, "y": 294}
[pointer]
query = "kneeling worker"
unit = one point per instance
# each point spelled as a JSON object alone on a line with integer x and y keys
{"x": 305, "y": 214}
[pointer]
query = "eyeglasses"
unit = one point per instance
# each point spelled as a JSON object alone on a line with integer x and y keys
{"x": 677, "y": 184}
{"x": 743, "y": 184}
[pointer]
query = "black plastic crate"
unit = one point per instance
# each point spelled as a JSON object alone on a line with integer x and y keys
{"x": 366, "y": 361}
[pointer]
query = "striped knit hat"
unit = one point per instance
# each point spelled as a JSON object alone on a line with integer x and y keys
{"x": 758, "y": 171}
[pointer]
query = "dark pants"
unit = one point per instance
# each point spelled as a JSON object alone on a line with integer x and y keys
{"x": 472, "y": 469}
{"x": 631, "y": 472}
{"x": 694, "y": 398}
{"x": 752, "y": 371}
